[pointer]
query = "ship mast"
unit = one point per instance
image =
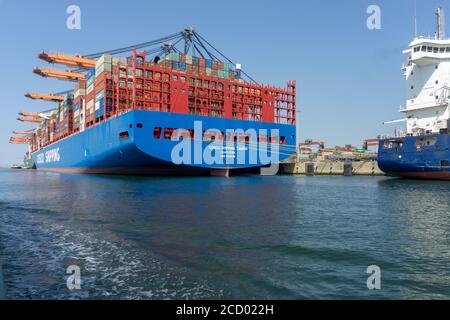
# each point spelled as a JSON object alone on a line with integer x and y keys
{"x": 440, "y": 24}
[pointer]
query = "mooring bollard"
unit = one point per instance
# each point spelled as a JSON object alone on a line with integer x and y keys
{"x": 310, "y": 169}
{"x": 348, "y": 168}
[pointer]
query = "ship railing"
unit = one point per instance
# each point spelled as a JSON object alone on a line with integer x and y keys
{"x": 397, "y": 134}
{"x": 443, "y": 98}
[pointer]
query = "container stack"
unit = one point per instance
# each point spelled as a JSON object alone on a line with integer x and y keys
{"x": 198, "y": 66}
{"x": 103, "y": 86}
{"x": 78, "y": 106}
{"x": 65, "y": 116}
{"x": 90, "y": 78}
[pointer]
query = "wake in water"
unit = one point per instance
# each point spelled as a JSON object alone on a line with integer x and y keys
{"x": 35, "y": 253}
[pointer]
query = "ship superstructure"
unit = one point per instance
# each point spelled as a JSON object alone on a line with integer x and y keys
{"x": 423, "y": 150}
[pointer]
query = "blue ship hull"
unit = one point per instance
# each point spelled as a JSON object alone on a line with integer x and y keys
{"x": 127, "y": 144}
{"x": 420, "y": 157}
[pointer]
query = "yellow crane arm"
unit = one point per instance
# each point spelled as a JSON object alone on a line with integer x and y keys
{"x": 30, "y": 114}
{"x": 35, "y": 120}
{"x": 70, "y": 61}
{"x": 58, "y": 74}
{"x": 19, "y": 142}
{"x": 47, "y": 97}
{"x": 20, "y": 139}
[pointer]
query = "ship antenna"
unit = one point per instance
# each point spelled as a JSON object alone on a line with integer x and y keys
{"x": 415, "y": 19}
{"x": 440, "y": 24}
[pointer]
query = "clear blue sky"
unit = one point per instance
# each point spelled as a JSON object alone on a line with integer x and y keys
{"x": 349, "y": 78}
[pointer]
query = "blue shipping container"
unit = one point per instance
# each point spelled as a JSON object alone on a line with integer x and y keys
{"x": 91, "y": 73}
{"x": 99, "y": 113}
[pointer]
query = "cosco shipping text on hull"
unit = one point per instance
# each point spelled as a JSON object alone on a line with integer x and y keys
{"x": 150, "y": 142}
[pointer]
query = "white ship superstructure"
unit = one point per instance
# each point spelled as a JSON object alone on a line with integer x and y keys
{"x": 428, "y": 83}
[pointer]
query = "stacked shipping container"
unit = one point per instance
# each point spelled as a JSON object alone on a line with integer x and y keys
{"x": 179, "y": 83}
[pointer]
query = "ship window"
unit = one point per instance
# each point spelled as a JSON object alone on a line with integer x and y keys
{"x": 157, "y": 133}
{"x": 447, "y": 49}
{"x": 430, "y": 49}
{"x": 445, "y": 163}
{"x": 175, "y": 77}
{"x": 424, "y": 48}
{"x": 435, "y": 50}
{"x": 139, "y": 125}
{"x": 412, "y": 87}
{"x": 124, "y": 135}
{"x": 168, "y": 132}
{"x": 437, "y": 81}
{"x": 441, "y": 50}
{"x": 392, "y": 144}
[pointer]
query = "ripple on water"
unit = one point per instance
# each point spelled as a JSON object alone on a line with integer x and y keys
{"x": 36, "y": 252}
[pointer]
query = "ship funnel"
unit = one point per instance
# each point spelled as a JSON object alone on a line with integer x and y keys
{"x": 440, "y": 24}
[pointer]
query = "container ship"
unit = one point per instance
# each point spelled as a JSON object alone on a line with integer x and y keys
{"x": 154, "y": 108}
{"x": 422, "y": 151}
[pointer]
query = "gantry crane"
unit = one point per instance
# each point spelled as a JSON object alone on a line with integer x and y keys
{"x": 70, "y": 61}
{"x": 59, "y": 74}
{"x": 46, "y": 97}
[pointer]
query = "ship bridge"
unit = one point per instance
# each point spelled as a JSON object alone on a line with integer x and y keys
{"x": 423, "y": 51}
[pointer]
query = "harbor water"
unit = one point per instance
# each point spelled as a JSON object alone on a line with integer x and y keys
{"x": 247, "y": 237}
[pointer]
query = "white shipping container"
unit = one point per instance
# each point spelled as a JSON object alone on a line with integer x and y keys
{"x": 97, "y": 105}
{"x": 90, "y": 106}
{"x": 102, "y": 68}
{"x": 79, "y": 92}
{"x": 90, "y": 88}
{"x": 106, "y": 58}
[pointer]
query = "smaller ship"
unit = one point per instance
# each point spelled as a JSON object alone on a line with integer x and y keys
{"x": 422, "y": 152}
{"x": 16, "y": 166}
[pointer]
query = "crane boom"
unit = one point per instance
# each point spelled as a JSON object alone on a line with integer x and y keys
{"x": 34, "y": 115}
{"x": 19, "y": 142}
{"x": 20, "y": 139}
{"x": 30, "y": 114}
{"x": 47, "y": 97}
{"x": 23, "y": 132}
{"x": 35, "y": 120}
{"x": 70, "y": 61}
{"x": 58, "y": 74}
